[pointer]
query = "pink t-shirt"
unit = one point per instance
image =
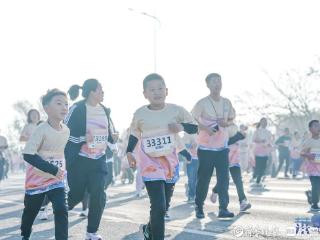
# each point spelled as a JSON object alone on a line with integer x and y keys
{"x": 312, "y": 168}
{"x": 97, "y": 128}
{"x": 207, "y": 112}
{"x": 234, "y": 155}
{"x": 262, "y": 149}
{"x": 49, "y": 144}
{"x": 157, "y": 149}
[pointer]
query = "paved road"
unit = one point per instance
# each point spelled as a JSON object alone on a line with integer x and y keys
{"x": 272, "y": 216}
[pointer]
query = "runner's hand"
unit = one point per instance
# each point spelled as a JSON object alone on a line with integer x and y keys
{"x": 89, "y": 138}
{"x": 60, "y": 174}
{"x": 131, "y": 160}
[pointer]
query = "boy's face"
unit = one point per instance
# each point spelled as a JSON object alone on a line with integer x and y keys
{"x": 315, "y": 128}
{"x": 156, "y": 92}
{"x": 57, "y": 108}
{"x": 215, "y": 85}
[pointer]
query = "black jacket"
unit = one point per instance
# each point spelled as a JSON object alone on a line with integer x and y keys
{"x": 76, "y": 120}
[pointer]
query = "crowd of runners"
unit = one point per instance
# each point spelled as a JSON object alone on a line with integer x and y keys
{"x": 76, "y": 153}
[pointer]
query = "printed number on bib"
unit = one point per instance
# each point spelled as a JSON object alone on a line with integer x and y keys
{"x": 158, "y": 144}
{"x": 57, "y": 162}
{"x": 317, "y": 157}
{"x": 99, "y": 140}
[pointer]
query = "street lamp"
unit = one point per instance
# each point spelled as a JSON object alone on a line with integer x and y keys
{"x": 156, "y": 21}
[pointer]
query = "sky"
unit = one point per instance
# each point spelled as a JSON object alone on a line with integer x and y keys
{"x": 54, "y": 44}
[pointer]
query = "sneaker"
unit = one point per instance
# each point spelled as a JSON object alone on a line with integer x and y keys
{"x": 43, "y": 214}
{"x": 146, "y": 232}
{"x": 84, "y": 213}
{"x": 309, "y": 196}
{"x": 167, "y": 216}
{"x": 199, "y": 212}
{"x": 257, "y": 185}
{"x": 93, "y": 236}
{"x": 213, "y": 197}
{"x": 225, "y": 214}
{"x": 314, "y": 208}
{"x": 244, "y": 205}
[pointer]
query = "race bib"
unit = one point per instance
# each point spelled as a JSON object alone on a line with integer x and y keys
{"x": 317, "y": 157}
{"x": 159, "y": 145}
{"x": 59, "y": 162}
{"x": 99, "y": 139}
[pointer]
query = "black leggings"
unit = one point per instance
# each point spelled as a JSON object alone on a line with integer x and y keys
{"x": 160, "y": 194}
{"x": 32, "y": 205}
{"x": 237, "y": 179}
{"x": 88, "y": 174}
{"x": 261, "y": 164}
{"x": 315, "y": 188}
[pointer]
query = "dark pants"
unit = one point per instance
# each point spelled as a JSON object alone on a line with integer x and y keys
{"x": 261, "y": 164}
{"x": 32, "y": 205}
{"x": 284, "y": 156}
{"x": 237, "y": 179}
{"x": 160, "y": 194}
{"x": 296, "y": 164}
{"x": 192, "y": 169}
{"x": 45, "y": 202}
{"x": 315, "y": 189}
{"x": 85, "y": 201}
{"x": 88, "y": 174}
{"x": 117, "y": 165}
{"x": 208, "y": 160}
{"x": 109, "y": 175}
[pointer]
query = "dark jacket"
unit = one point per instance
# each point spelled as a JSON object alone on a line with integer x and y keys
{"x": 76, "y": 120}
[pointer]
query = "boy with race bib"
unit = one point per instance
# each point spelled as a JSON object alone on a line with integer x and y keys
{"x": 156, "y": 127}
{"x": 44, "y": 153}
{"x": 311, "y": 153}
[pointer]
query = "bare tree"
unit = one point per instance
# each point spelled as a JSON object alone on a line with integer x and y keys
{"x": 293, "y": 98}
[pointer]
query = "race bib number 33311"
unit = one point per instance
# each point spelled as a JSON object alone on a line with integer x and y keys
{"x": 158, "y": 144}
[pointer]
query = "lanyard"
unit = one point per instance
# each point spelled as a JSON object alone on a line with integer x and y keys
{"x": 211, "y": 101}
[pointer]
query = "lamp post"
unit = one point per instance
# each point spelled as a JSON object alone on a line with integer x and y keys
{"x": 156, "y": 21}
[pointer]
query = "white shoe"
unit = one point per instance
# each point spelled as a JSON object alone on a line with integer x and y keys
{"x": 214, "y": 197}
{"x": 84, "y": 213}
{"x": 93, "y": 236}
{"x": 43, "y": 214}
{"x": 244, "y": 205}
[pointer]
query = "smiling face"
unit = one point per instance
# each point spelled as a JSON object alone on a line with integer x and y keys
{"x": 156, "y": 92}
{"x": 57, "y": 108}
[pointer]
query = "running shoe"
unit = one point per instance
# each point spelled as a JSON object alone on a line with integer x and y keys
{"x": 93, "y": 236}
{"x": 244, "y": 205}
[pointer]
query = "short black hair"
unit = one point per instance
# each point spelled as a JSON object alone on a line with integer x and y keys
{"x": 29, "y": 114}
{"x": 312, "y": 122}
{"x": 46, "y": 99}
{"x": 212, "y": 76}
{"x": 151, "y": 77}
